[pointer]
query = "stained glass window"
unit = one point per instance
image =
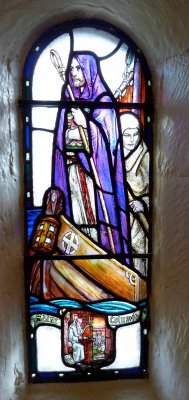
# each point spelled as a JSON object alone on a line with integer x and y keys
{"x": 87, "y": 137}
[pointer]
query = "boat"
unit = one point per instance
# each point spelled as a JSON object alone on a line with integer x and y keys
{"x": 74, "y": 276}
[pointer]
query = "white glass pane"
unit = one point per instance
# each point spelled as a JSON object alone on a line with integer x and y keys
{"x": 48, "y": 240}
{"x": 44, "y": 117}
{"x": 46, "y": 82}
{"x": 128, "y": 347}
{"x": 48, "y": 340}
{"x": 113, "y": 68}
{"x": 91, "y": 39}
{"x": 42, "y": 155}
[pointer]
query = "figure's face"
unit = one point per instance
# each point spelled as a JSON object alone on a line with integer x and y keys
{"x": 53, "y": 196}
{"x": 131, "y": 137}
{"x": 77, "y": 74}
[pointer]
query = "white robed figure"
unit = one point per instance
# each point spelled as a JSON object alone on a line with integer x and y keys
{"x": 137, "y": 172}
{"x": 75, "y": 332}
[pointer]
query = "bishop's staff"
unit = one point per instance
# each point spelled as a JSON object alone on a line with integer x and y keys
{"x": 57, "y": 62}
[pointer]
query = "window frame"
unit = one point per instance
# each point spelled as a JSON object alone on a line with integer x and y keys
{"x": 27, "y": 103}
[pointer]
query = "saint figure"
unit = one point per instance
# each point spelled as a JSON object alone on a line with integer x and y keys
{"x": 84, "y": 165}
{"x": 75, "y": 332}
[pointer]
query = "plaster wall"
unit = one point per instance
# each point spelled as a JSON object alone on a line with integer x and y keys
{"x": 161, "y": 30}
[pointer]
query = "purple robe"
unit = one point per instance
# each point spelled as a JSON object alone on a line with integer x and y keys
{"x": 103, "y": 136}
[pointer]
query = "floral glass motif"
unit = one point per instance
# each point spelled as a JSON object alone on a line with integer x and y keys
{"x": 87, "y": 122}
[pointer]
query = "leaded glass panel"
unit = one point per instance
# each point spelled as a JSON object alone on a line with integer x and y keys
{"x": 87, "y": 121}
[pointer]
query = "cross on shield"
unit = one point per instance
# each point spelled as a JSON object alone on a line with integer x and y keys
{"x": 70, "y": 243}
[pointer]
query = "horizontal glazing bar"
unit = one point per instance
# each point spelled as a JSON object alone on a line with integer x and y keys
{"x": 83, "y": 104}
{"x": 101, "y": 256}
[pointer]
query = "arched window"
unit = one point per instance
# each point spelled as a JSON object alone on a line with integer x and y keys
{"x": 87, "y": 123}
